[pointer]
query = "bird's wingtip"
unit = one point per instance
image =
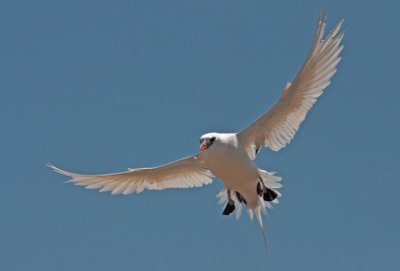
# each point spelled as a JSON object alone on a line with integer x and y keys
{"x": 58, "y": 170}
{"x": 322, "y": 15}
{"x": 53, "y": 167}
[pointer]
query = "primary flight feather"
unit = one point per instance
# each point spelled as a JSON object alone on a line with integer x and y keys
{"x": 228, "y": 156}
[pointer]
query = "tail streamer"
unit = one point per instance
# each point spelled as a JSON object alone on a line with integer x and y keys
{"x": 265, "y": 238}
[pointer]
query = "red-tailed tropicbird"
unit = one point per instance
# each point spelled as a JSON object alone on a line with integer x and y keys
{"x": 229, "y": 156}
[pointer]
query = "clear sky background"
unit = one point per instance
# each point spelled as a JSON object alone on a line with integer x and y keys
{"x": 99, "y": 86}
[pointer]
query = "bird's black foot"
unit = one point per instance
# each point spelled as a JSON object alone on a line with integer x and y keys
{"x": 269, "y": 195}
{"x": 240, "y": 198}
{"x": 266, "y": 193}
{"x": 230, "y": 207}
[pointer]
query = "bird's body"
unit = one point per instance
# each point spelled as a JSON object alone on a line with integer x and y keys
{"x": 229, "y": 156}
{"x": 228, "y": 161}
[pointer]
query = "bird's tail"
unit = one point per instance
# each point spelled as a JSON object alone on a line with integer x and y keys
{"x": 257, "y": 213}
{"x": 268, "y": 194}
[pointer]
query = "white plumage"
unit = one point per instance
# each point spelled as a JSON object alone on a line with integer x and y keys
{"x": 229, "y": 156}
{"x": 185, "y": 173}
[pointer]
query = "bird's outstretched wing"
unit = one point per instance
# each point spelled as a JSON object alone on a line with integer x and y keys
{"x": 278, "y": 126}
{"x": 185, "y": 173}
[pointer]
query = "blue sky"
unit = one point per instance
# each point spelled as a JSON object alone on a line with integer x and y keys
{"x": 99, "y": 86}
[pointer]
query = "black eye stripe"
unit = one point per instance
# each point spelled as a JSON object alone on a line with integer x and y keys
{"x": 211, "y": 140}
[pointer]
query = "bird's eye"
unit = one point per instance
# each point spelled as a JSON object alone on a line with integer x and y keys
{"x": 212, "y": 140}
{"x": 200, "y": 141}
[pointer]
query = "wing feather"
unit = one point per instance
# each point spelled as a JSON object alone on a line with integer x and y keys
{"x": 276, "y": 128}
{"x": 185, "y": 173}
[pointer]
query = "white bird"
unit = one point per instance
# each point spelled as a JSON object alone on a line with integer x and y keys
{"x": 229, "y": 156}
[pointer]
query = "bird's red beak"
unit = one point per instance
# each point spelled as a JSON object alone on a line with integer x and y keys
{"x": 203, "y": 147}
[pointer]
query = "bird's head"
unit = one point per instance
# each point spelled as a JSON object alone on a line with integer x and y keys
{"x": 207, "y": 140}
